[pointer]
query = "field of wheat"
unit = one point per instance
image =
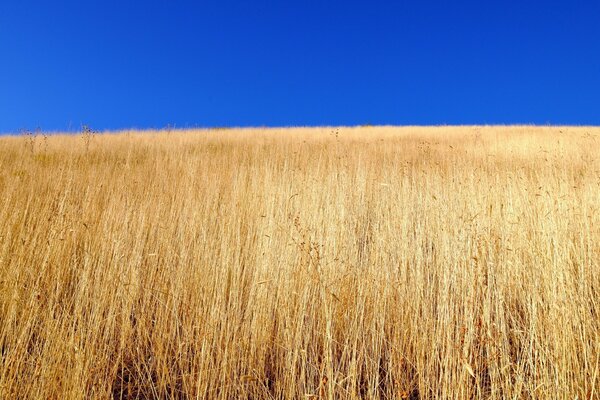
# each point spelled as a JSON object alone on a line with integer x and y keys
{"x": 324, "y": 263}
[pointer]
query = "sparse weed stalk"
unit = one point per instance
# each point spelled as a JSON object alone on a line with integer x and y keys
{"x": 310, "y": 250}
{"x": 87, "y": 135}
{"x": 45, "y": 141}
{"x": 30, "y": 139}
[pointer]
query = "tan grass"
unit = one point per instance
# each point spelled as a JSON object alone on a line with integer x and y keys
{"x": 373, "y": 262}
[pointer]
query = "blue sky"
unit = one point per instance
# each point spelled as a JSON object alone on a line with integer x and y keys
{"x": 120, "y": 64}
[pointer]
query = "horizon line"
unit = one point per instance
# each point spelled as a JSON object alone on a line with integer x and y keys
{"x": 39, "y": 131}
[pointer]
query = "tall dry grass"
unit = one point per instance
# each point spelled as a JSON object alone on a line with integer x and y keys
{"x": 451, "y": 262}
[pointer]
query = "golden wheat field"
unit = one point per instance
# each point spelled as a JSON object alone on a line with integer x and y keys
{"x": 321, "y": 263}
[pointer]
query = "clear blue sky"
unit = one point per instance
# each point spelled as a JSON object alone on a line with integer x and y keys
{"x": 118, "y": 64}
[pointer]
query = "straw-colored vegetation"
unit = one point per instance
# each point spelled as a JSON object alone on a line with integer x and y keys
{"x": 451, "y": 262}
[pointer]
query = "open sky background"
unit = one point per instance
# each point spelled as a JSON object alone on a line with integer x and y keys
{"x": 121, "y": 64}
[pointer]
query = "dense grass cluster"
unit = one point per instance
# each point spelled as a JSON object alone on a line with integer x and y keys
{"x": 451, "y": 262}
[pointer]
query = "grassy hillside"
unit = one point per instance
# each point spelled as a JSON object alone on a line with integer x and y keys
{"x": 450, "y": 262}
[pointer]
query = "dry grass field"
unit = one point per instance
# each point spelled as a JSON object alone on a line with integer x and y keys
{"x": 374, "y": 262}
